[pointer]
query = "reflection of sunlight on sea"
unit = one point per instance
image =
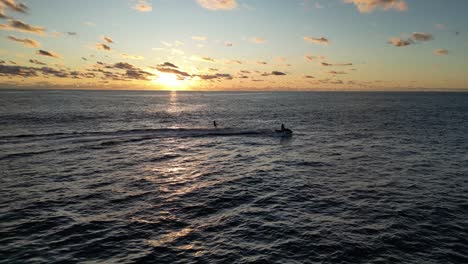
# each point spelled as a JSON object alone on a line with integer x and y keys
{"x": 118, "y": 185}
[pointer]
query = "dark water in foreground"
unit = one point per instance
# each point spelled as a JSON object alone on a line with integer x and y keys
{"x": 135, "y": 177}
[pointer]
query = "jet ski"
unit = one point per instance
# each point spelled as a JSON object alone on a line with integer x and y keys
{"x": 284, "y": 131}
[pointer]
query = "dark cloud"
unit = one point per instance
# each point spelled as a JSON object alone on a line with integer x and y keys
{"x": 213, "y": 69}
{"x": 38, "y": 62}
{"x": 83, "y": 58}
{"x": 234, "y": 61}
{"x": 245, "y": 72}
{"x": 337, "y": 72}
{"x": 108, "y": 40}
{"x": 54, "y": 72}
{"x": 123, "y": 65}
{"x": 138, "y": 74}
{"x": 72, "y": 33}
{"x": 262, "y": 62}
{"x": 168, "y": 64}
{"x": 277, "y": 73}
{"x": 208, "y": 59}
{"x": 318, "y": 41}
{"x": 13, "y": 5}
{"x": 215, "y": 76}
{"x": 13, "y": 70}
{"x": 419, "y": 36}
{"x": 336, "y": 64}
{"x": 48, "y": 53}
{"x": 101, "y": 46}
{"x": 309, "y": 77}
{"x": 18, "y": 25}
{"x": 26, "y": 42}
{"x": 172, "y": 70}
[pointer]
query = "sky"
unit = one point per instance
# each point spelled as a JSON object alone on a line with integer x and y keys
{"x": 234, "y": 44}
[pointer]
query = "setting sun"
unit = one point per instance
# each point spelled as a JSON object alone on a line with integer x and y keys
{"x": 169, "y": 81}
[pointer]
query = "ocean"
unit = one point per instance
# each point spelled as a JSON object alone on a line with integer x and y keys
{"x": 144, "y": 177}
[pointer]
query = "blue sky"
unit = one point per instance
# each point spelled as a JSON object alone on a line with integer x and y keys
{"x": 226, "y": 45}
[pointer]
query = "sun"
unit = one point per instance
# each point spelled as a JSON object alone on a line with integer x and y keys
{"x": 169, "y": 81}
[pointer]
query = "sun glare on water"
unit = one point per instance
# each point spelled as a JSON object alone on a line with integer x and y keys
{"x": 170, "y": 81}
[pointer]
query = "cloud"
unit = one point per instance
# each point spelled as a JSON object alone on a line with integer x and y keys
{"x": 277, "y": 73}
{"x": 234, "y": 61}
{"x": 337, "y": 72}
{"x": 133, "y": 57}
{"x": 131, "y": 72}
{"x": 54, "y": 72}
{"x": 399, "y": 42}
{"x": 138, "y": 74}
{"x": 313, "y": 58}
{"x": 123, "y": 65}
{"x": 214, "y": 76}
{"x": 69, "y": 33}
{"x": 228, "y": 44}
{"x": 18, "y": 25}
{"x": 257, "y": 40}
{"x": 318, "y": 41}
{"x": 48, "y": 53}
{"x": 108, "y": 40}
{"x": 37, "y": 62}
{"x": 143, "y": 6}
{"x": 441, "y": 52}
{"x": 309, "y": 77}
{"x": 262, "y": 62}
{"x": 101, "y": 46}
{"x": 13, "y": 70}
{"x": 336, "y": 64}
{"x": 168, "y": 64}
{"x": 3, "y": 15}
{"x": 172, "y": 70}
{"x": 218, "y": 4}
{"x": 419, "y": 36}
{"x": 26, "y": 42}
{"x": 199, "y": 38}
{"x": 208, "y": 59}
{"x": 13, "y": 5}
{"x": 366, "y": 6}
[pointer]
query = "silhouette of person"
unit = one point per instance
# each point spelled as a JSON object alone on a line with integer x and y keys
{"x": 214, "y": 124}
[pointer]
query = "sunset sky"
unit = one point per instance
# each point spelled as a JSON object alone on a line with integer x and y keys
{"x": 234, "y": 44}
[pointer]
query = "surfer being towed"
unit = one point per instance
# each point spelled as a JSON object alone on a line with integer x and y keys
{"x": 284, "y": 130}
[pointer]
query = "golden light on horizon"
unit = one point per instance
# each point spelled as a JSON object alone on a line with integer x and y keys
{"x": 170, "y": 81}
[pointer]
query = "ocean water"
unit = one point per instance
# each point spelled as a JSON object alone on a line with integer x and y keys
{"x": 136, "y": 177}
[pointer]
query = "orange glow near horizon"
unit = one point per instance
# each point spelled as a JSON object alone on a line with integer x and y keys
{"x": 170, "y": 81}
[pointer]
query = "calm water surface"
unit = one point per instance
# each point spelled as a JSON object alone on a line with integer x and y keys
{"x": 134, "y": 177}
